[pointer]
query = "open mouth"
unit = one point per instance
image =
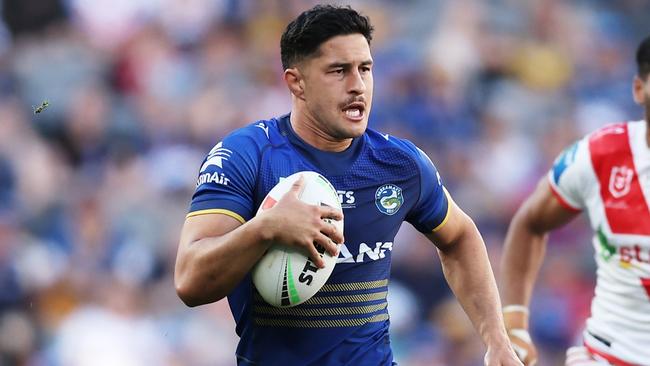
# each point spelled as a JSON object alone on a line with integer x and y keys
{"x": 355, "y": 111}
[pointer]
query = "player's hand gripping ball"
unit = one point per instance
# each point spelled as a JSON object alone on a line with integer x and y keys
{"x": 285, "y": 276}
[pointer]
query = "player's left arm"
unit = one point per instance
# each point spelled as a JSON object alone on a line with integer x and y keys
{"x": 467, "y": 269}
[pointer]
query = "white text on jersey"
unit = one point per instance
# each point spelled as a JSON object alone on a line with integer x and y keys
{"x": 379, "y": 252}
{"x": 346, "y": 198}
{"x": 217, "y": 178}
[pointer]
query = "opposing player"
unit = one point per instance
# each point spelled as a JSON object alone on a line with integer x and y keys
{"x": 606, "y": 174}
{"x": 383, "y": 181}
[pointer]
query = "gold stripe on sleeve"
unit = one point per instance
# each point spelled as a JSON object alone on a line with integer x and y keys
{"x": 217, "y": 211}
{"x": 449, "y": 203}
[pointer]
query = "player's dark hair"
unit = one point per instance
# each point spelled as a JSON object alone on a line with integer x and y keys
{"x": 643, "y": 59}
{"x": 313, "y": 27}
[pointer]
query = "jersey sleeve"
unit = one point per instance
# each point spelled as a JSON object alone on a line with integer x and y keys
{"x": 570, "y": 174}
{"x": 431, "y": 211}
{"x": 227, "y": 179}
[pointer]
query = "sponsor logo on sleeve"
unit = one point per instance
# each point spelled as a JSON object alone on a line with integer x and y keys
{"x": 389, "y": 199}
{"x": 216, "y": 157}
{"x": 215, "y": 178}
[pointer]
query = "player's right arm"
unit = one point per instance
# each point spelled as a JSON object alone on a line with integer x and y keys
{"x": 216, "y": 250}
{"x": 546, "y": 209}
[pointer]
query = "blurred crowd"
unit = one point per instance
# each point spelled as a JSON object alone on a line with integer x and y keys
{"x": 95, "y": 187}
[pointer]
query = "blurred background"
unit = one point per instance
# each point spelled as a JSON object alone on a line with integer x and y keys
{"x": 94, "y": 189}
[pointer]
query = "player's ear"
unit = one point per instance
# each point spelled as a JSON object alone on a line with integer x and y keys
{"x": 638, "y": 90}
{"x": 295, "y": 82}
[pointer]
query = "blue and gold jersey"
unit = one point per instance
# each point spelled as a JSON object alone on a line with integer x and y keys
{"x": 381, "y": 181}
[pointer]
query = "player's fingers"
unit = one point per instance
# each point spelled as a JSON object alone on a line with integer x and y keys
{"x": 315, "y": 256}
{"x": 298, "y": 186}
{"x": 328, "y": 228}
{"x": 327, "y": 243}
{"x": 327, "y": 212}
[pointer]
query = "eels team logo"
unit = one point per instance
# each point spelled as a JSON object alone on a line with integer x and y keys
{"x": 389, "y": 199}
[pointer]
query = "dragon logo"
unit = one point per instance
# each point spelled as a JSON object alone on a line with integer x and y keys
{"x": 389, "y": 199}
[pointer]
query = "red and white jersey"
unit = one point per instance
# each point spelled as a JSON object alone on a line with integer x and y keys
{"x": 607, "y": 174}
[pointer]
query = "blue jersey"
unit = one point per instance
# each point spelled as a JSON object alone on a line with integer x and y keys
{"x": 382, "y": 181}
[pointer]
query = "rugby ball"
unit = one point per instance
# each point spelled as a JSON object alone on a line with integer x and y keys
{"x": 286, "y": 276}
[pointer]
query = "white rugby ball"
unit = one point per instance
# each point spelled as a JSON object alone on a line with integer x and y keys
{"x": 286, "y": 276}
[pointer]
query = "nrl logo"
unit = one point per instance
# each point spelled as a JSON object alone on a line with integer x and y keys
{"x": 620, "y": 181}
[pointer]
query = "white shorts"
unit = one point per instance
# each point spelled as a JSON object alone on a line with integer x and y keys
{"x": 583, "y": 356}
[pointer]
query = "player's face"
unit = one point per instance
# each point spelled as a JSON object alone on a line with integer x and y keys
{"x": 338, "y": 86}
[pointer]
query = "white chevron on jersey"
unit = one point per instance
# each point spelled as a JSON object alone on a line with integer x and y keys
{"x": 216, "y": 157}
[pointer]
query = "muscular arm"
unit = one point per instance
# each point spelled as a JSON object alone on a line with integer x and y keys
{"x": 467, "y": 269}
{"x": 214, "y": 254}
{"x": 525, "y": 244}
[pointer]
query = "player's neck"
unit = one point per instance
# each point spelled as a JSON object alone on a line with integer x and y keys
{"x": 307, "y": 128}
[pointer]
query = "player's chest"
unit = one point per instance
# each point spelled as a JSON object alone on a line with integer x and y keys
{"x": 373, "y": 206}
{"x": 619, "y": 198}
{"x": 373, "y": 215}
